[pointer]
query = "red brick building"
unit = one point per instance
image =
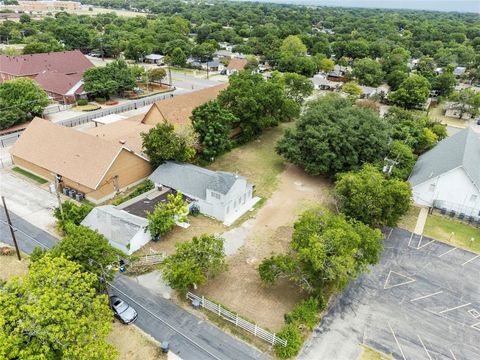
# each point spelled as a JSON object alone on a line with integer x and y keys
{"x": 58, "y": 73}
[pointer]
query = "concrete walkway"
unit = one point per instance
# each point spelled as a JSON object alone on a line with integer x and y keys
{"x": 421, "y": 220}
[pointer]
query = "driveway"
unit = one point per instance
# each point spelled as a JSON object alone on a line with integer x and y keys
{"x": 31, "y": 201}
{"x": 189, "y": 336}
{"x": 422, "y": 301}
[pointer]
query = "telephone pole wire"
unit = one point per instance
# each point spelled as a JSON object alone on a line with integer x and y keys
{"x": 11, "y": 229}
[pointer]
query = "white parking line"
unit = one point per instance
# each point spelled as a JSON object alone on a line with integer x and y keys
{"x": 454, "y": 358}
{"x": 428, "y": 243}
{"x": 426, "y": 296}
{"x": 424, "y": 348}
{"x": 454, "y": 308}
{"x": 445, "y": 253}
{"x": 398, "y": 344}
{"x": 466, "y": 262}
{"x": 389, "y": 234}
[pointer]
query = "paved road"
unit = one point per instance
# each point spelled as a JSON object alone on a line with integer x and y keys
{"x": 422, "y": 301}
{"x": 190, "y": 337}
{"x": 208, "y": 342}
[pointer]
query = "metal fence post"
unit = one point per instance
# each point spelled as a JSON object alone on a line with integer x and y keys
{"x": 219, "y": 310}
{"x": 255, "y": 333}
{"x": 273, "y": 339}
{"x": 203, "y": 301}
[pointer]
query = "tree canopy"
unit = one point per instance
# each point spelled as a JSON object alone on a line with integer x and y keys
{"x": 20, "y": 100}
{"x": 54, "y": 312}
{"x": 334, "y": 136}
{"x": 111, "y": 79}
{"x": 412, "y": 92}
{"x": 366, "y": 195}
{"x": 166, "y": 214}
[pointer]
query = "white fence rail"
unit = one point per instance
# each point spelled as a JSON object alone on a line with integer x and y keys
{"x": 149, "y": 260}
{"x": 237, "y": 320}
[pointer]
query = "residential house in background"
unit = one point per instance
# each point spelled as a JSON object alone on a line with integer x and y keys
{"x": 214, "y": 65}
{"x": 96, "y": 168}
{"x": 60, "y": 74}
{"x": 124, "y": 231}
{"x": 448, "y": 176}
{"x": 235, "y": 65}
{"x": 459, "y": 71}
{"x": 338, "y": 74}
{"x": 367, "y": 92}
{"x": 222, "y": 195}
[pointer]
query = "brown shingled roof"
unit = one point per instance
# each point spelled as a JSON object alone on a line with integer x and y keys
{"x": 75, "y": 155}
{"x": 178, "y": 109}
{"x": 57, "y": 83}
{"x": 237, "y": 64}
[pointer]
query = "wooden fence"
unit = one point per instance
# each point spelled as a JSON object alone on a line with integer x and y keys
{"x": 237, "y": 320}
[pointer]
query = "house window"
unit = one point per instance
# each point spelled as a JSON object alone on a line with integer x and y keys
{"x": 473, "y": 198}
{"x": 431, "y": 188}
{"x": 215, "y": 195}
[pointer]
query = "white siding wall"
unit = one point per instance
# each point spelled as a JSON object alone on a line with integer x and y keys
{"x": 140, "y": 239}
{"x": 454, "y": 187}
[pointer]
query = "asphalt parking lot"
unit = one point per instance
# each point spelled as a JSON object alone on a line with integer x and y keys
{"x": 422, "y": 301}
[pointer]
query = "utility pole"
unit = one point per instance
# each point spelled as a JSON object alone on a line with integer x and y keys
{"x": 58, "y": 178}
{"x": 11, "y": 229}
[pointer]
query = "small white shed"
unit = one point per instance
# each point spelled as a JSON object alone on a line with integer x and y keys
{"x": 123, "y": 230}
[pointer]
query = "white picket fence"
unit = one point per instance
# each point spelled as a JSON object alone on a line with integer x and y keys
{"x": 237, "y": 320}
{"x": 149, "y": 260}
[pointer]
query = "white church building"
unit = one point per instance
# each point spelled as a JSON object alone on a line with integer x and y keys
{"x": 448, "y": 176}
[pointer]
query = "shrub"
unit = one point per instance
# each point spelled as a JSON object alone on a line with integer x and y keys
{"x": 292, "y": 334}
{"x": 100, "y": 100}
{"x": 72, "y": 214}
{"x": 145, "y": 186}
{"x": 306, "y": 313}
{"x": 82, "y": 102}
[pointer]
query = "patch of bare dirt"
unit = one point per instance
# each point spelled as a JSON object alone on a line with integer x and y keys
{"x": 10, "y": 266}
{"x": 268, "y": 233}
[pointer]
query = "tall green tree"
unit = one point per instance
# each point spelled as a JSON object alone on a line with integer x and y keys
{"x": 54, "y": 312}
{"x": 20, "y": 100}
{"x": 162, "y": 143}
{"x": 368, "y": 72}
{"x": 178, "y": 58}
{"x": 194, "y": 262}
{"x": 293, "y": 45}
{"x": 366, "y": 195}
{"x": 112, "y": 79}
{"x": 325, "y": 249}
{"x": 334, "y": 136}
{"x": 165, "y": 215}
{"x": 213, "y": 123}
{"x": 412, "y": 93}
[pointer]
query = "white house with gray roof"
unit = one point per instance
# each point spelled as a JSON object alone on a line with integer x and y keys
{"x": 448, "y": 176}
{"x": 222, "y": 195}
{"x": 123, "y": 230}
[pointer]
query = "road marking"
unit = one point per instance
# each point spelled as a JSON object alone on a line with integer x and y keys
{"x": 475, "y": 326}
{"x": 398, "y": 344}
{"x": 454, "y": 358}
{"x": 389, "y": 234}
{"x": 454, "y": 308}
{"x": 419, "y": 241}
{"x": 426, "y": 296}
{"x": 424, "y": 348}
{"x": 428, "y": 243}
{"x": 410, "y": 280}
{"x": 475, "y": 257}
{"x": 445, "y": 253}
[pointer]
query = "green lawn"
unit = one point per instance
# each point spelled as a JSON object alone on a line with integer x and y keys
{"x": 256, "y": 160}
{"x": 409, "y": 220}
{"x": 436, "y": 113}
{"x": 370, "y": 354}
{"x": 441, "y": 228}
{"x": 30, "y": 175}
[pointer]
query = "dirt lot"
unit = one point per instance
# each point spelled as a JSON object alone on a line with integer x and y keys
{"x": 198, "y": 225}
{"x": 133, "y": 344}
{"x": 267, "y": 233}
{"x": 10, "y": 266}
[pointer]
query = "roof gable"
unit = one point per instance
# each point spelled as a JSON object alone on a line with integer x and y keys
{"x": 193, "y": 180}
{"x": 77, "y": 156}
{"x": 459, "y": 150}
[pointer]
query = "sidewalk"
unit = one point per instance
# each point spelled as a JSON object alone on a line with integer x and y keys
{"x": 421, "y": 220}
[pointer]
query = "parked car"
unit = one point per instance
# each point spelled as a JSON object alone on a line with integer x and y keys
{"x": 124, "y": 312}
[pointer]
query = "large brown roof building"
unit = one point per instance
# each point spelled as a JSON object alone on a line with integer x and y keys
{"x": 58, "y": 73}
{"x": 88, "y": 164}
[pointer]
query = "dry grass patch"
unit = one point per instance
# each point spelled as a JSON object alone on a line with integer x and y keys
{"x": 198, "y": 225}
{"x": 257, "y": 161}
{"x": 269, "y": 232}
{"x": 134, "y": 344}
{"x": 437, "y": 113}
{"x": 409, "y": 220}
{"x": 371, "y": 354}
{"x": 10, "y": 266}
